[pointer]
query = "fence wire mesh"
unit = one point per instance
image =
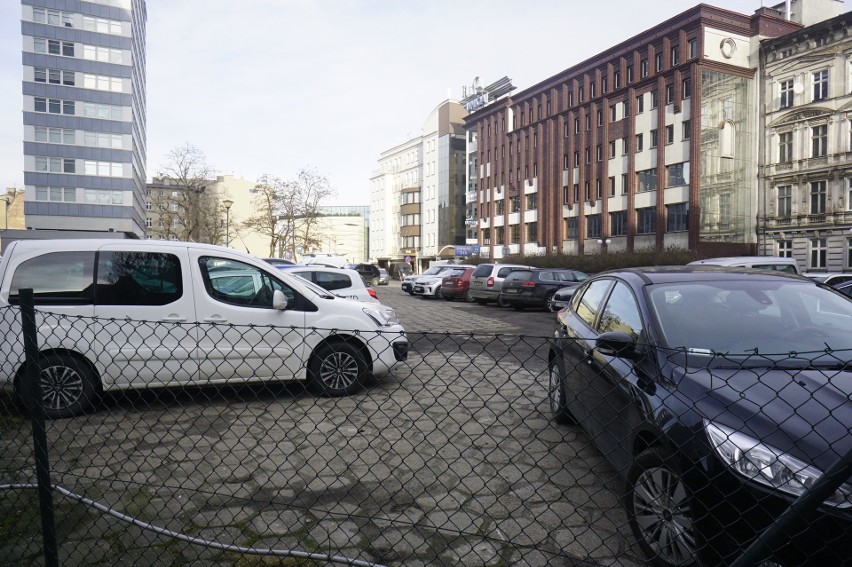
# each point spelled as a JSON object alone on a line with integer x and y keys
{"x": 203, "y": 455}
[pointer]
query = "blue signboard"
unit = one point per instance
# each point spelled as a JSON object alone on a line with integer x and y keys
{"x": 467, "y": 249}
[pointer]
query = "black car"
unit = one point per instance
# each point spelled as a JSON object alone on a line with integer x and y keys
{"x": 720, "y": 396}
{"x": 535, "y": 287}
{"x": 368, "y": 272}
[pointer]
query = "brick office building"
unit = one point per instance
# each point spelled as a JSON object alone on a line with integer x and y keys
{"x": 652, "y": 143}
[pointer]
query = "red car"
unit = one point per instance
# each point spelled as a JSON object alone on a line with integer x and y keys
{"x": 456, "y": 285}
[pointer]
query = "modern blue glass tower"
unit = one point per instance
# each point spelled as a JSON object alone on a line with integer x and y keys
{"x": 84, "y": 104}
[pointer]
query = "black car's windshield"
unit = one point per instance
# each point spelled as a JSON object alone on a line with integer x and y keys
{"x": 745, "y": 316}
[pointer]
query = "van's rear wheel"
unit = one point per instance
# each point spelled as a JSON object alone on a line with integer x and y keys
{"x": 336, "y": 369}
{"x": 68, "y": 386}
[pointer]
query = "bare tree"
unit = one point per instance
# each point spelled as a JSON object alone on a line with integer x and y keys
{"x": 185, "y": 208}
{"x": 287, "y": 211}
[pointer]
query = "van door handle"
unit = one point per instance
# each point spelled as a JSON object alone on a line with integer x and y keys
{"x": 173, "y": 319}
{"x": 215, "y": 320}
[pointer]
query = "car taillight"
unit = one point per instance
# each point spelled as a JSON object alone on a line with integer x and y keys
{"x": 372, "y": 293}
{"x": 528, "y": 284}
{"x": 490, "y": 282}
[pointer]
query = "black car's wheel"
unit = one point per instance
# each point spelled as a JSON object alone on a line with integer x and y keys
{"x": 447, "y": 297}
{"x": 336, "y": 370}
{"x": 68, "y": 386}
{"x": 501, "y": 302}
{"x": 548, "y": 302}
{"x": 374, "y": 282}
{"x": 659, "y": 509}
{"x": 468, "y": 296}
{"x": 557, "y": 397}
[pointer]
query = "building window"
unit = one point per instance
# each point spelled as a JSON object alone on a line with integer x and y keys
{"x": 785, "y": 201}
{"x": 572, "y": 226}
{"x": 675, "y": 55}
{"x": 101, "y": 25}
{"x": 612, "y": 186}
{"x": 693, "y": 48}
{"x": 819, "y": 137}
{"x": 53, "y": 76}
{"x": 56, "y": 194}
{"x": 617, "y": 78}
{"x": 103, "y": 83}
{"x": 654, "y": 138}
{"x": 571, "y": 99}
{"x": 576, "y": 192}
{"x": 588, "y": 122}
{"x": 640, "y": 104}
{"x": 646, "y": 180}
{"x": 532, "y": 202}
{"x": 55, "y": 135}
{"x": 629, "y": 74}
{"x": 149, "y": 223}
{"x": 593, "y": 226}
{"x": 643, "y": 68}
{"x": 786, "y": 100}
{"x": 624, "y": 147}
{"x": 102, "y": 111}
{"x": 785, "y": 248}
{"x": 785, "y": 147}
{"x": 646, "y": 220}
{"x": 818, "y": 253}
{"x": 599, "y": 152}
{"x": 576, "y": 159}
{"x": 625, "y": 106}
{"x": 592, "y": 93}
{"x": 54, "y": 106}
{"x": 618, "y": 223}
{"x": 624, "y": 184}
{"x": 669, "y": 94}
{"x": 576, "y": 125}
{"x": 598, "y": 189}
{"x": 53, "y": 47}
{"x": 532, "y": 232}
{"x": 613, "y": 113}
{"x": 676, "y": 174}
{"x": 605, "y": 84}
{"x": 670, "y": 134}
{"x": 588, "y": 155}
{"x": 53, "y": 17}
{"x": 103, "y": 54}
{"x": 612, "y": 149}
{"x": 820, "y": 84}
{"x": 581, "y": 94}
{"x": 55, "y": 165}
{"x": 686, "y": 128}
{"x": 103, "y": 168}
{"x": 658, "y": 63}
{"x": 817, "y": 198}
{"x": 655, "y": 99}
{"x": 677, "y": 217}
{"x": 686, "y": 88}
{"x": 849, "y": 194}
{"x": 638, "y": 143}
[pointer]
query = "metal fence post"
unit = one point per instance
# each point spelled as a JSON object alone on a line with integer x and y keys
{"x": 804, "y": 504}
{"x": 32, "y": 394}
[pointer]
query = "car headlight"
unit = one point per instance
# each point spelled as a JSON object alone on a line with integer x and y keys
{"x": 764, "y": 464}
{"x": 383, "y": 316}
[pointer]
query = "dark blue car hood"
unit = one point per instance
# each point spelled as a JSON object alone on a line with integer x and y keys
{"x": 806, "y": 413}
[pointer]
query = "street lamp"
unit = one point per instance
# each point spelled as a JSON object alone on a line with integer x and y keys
{"x": 227, "y": 203}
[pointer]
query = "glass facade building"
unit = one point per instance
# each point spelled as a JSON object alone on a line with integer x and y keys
{"x": 84, "y": 113}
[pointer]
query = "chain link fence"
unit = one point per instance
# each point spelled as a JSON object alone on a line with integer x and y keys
{"x": 453, "y": 458}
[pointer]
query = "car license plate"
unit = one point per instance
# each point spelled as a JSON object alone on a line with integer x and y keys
{"x": 418, "y": 289}
{"x": 510, "y": 291}
{"x": 477, "y": 284}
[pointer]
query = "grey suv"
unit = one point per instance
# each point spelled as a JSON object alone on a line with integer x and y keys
{"x": 487, "y": 280}
{"x": 368, "y": 272}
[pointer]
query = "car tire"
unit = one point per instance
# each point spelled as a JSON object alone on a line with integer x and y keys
{"x": 557, "y": 397}
{"x": 69, "y": 386}
{"x": 659, "y": 510}
{"x": 468, "y": 296}
{"x": 374, "y": 282}
{"x": 501, "y": 302}
{"x": 548, "y": 302}
{"x": 336, "y": 369}
{"x": 447, "y": 297}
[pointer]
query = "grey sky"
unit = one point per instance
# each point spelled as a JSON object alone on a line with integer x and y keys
{"x": 269, "y": 86}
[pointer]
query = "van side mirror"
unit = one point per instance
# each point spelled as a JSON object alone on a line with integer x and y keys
{"x": 279, "y": 300}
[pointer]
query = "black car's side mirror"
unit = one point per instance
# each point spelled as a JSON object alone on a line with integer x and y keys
{"x": 617, "y": 343}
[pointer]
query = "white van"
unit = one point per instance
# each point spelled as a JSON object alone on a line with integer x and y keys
{"x": 778, "y": 263}
{"x": 122, "y": 314}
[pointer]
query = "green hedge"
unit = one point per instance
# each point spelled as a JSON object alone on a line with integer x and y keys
{"x": 593, "y": 263}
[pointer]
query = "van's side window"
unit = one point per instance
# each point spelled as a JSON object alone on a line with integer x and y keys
{"x": 138, "y": 278}
{"x": 56, "y": 278}
{"x": 230, "y": 281}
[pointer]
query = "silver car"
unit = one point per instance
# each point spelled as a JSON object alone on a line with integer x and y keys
{"x": 487, "y": 280}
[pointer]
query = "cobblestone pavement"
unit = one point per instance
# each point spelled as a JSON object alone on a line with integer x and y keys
{"x": 452, "y": 460}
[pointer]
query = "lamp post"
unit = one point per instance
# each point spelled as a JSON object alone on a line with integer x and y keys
{"x": 227, "y": 203}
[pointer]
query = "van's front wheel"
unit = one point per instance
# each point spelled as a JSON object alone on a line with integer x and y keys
{"x": 68, "y": 386}
{"x": 336, "y": 369}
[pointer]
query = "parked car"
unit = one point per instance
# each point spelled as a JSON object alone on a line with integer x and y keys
{"x": 408, "y": 281}
{"x": 368, "y": 272}
{"x": 432, "y": 286}
{"x": 777, "y": 263}
{"x": 845, "y": 288}
{"x": 203, "y": 306}
{"x": 339, "y": 281}
{"x": 456, "y": 284}
{"x": 660, "y": 367}
{"x": 278, "y": 262}
{"x": 829, "y": 278}
{"x": 487, "y": 280}
{"x": 535, "y": 288}
{"x": 384, "y": 277}
{"x": 561, "y": 298}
